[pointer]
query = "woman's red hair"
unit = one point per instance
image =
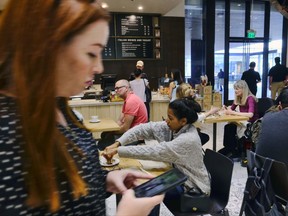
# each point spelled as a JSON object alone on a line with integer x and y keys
{"x": 31, "y": 35}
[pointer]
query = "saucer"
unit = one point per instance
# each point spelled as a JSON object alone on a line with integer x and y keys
{"x": 103, "y": 161}
{"x": 94, "y": 121}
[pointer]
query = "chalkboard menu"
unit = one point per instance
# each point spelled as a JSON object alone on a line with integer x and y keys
{"x": 134, "y": 48}
{"x": 134, "y": 25}
{"x": 133, "y": 37}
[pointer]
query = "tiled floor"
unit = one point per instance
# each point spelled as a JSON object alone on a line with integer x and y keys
{"x": 238, "y": 179}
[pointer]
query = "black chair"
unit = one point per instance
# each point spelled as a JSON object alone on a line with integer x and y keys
{"x": 263, "y": 105}
{"x": 220, "y": 168}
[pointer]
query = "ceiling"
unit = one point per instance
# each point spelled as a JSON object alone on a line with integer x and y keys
{"x": 149, "y": 6}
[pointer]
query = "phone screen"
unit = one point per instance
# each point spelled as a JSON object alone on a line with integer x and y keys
{"x": 160, "y": 184}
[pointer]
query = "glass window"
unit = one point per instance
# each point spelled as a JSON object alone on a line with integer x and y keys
{"x": 237, "y": 14}
{"x": 257, "y": 18}
{"x": 219, "y": 42}
{"x": 275, "y": 44}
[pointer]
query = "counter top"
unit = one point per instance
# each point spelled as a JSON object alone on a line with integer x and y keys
{"x": 89, "y": 102}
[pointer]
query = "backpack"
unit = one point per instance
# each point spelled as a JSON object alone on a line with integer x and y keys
{"x": 259, "y": 198}
{"x": 252, "y": 131}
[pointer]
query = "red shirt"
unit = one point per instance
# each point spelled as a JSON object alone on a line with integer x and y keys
{"x": 134, "y": 106}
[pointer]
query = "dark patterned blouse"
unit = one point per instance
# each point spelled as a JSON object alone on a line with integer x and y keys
{"x": 13, "y": 193}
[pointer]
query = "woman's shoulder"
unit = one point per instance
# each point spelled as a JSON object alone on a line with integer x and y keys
{"x": 251, "y": 99}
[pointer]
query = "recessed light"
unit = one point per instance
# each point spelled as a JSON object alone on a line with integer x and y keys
{"x": 104, "y": 5}
{"x": 140, "y": 8}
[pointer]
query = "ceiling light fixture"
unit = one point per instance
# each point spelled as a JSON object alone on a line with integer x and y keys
{"x": 140, "y": 8}
{"x": 104, "y": 5}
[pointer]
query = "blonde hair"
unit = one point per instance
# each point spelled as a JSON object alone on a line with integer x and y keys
{"x": 241, "y": 100}
{"x": 184, "y": 90}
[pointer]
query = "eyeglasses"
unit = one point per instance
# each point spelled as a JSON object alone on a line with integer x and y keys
{"x": 117, "y": 88}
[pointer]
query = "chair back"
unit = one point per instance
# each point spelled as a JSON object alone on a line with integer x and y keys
{"x": 278, "y": 176}
{"x": 263, "y": 105}
{"x": 220, "y": 168}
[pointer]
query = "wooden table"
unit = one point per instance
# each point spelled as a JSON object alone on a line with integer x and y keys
{"x": 222, "y": 118}
{"x": 130, "y": 163}
{"x": 103, "y": 125}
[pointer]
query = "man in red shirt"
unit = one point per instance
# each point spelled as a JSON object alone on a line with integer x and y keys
{"x": 134, "y": 112}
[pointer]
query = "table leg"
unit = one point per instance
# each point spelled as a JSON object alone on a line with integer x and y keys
{"x": 214, "y": 135}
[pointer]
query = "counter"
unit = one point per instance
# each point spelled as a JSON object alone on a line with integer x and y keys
{"x": 112, "y": 110}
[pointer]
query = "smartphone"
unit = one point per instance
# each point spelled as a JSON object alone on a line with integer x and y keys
{"x": 160, "y": 184}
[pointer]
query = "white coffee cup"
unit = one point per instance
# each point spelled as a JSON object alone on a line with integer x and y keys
{"x": 94, "y": 118}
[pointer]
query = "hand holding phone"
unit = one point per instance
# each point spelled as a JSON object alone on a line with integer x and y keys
{"x": 160, "y": 184}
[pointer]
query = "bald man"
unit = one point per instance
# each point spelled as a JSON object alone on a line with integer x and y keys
{"x": 133, "y": 113}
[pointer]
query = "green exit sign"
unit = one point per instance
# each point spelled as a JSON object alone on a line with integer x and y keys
{"x": 251, "y": 33}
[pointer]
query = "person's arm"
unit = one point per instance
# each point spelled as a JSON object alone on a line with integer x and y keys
{"x": 202, "y": 116}
{"x": 126, "y": 124}
{"x": 229, "y": 111}
{"x": 119, "y": 181}
{"x": 258, "y": 78}
{"x": 120, "y": 119}
{"x": 212, "y": 111}
{"x": 130, "y": 205}
{"x": 251, "y": 109}
{"x": 270, "y": 82}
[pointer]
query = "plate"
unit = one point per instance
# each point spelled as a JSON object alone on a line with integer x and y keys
{"x": 103, "y": 162}
{"x": 92, "y": 121}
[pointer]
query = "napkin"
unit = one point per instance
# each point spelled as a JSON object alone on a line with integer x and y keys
{"x": 149, "y": 165}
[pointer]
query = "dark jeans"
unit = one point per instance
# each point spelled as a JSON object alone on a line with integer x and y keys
{"x": 230, "y": 140}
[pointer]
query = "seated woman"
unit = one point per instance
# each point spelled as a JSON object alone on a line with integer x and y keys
{"x": 247, "y": 104}
{"x": 179, "y": 144}
{"x": 185, "y": 90}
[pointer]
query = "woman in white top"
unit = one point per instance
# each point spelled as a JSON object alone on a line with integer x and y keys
{"x": 138, "y": 87}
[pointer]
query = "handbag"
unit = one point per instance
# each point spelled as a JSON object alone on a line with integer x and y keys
{"x": 147, "y": 93}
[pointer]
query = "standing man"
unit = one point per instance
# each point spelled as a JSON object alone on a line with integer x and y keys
{"x": 251, "y": 77}
{"x": 138, "y": 86}
{"x": 221, "y": 79}
{"x": 140, "y": 65}
{"x": 277, "y": 78}
{"x": 133, "y": 113}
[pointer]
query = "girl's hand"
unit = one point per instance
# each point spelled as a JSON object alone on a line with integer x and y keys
{"x": 119, "y": 181}
{"x": 132, "y": 206}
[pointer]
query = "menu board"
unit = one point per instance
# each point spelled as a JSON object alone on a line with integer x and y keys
{"x": 134, "y": 48}
{"x": 133, "y": 25}
{"x": 133, "y": 36}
